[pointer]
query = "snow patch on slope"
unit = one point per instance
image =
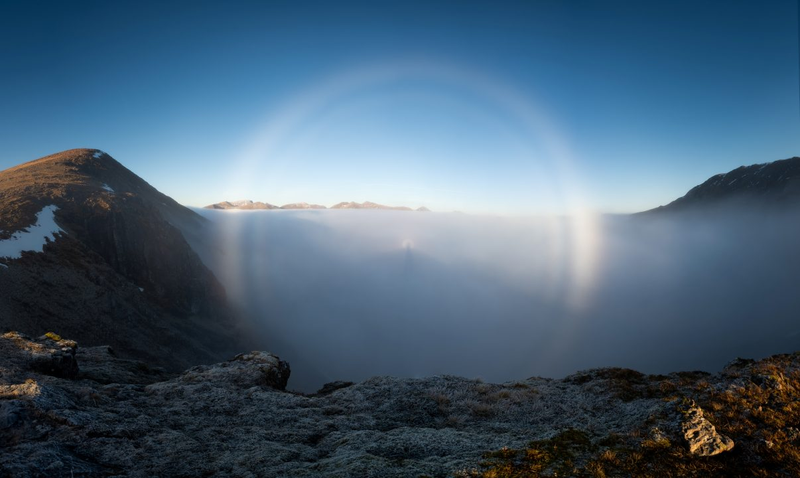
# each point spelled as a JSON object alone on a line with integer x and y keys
{"x": 108, "y": 188}
{"x": 34, "y": 238}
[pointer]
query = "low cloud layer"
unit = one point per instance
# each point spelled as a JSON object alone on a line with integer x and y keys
{"x": 345, "y": 295}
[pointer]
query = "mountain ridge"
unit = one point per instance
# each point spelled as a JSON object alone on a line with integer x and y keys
{"x": 120, "y": 272}
{"x": 775, "y": 182}
{"x": 248, "y": 204}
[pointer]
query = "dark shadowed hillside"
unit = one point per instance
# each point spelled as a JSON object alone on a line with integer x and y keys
{"x": 777, "y": 182}
{"x": 120, "y": 273}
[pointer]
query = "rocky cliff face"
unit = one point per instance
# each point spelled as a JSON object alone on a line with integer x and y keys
{"x": 118, "y": 417}
{"x": 120, "y": 272}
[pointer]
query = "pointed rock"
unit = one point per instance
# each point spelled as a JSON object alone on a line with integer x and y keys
{"x": 702, "y": 435}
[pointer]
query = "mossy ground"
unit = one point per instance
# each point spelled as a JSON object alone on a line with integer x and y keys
{"x": 53, "y": 336}
{"x": 757, "y": 405}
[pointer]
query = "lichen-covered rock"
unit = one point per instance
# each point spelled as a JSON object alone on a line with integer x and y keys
{"x": 101, "y": 364}
{"x": 47, "y": 355}
{"x": 702, "y": 436}
{"x": 235, "y": 419}
{"x": 254, "y": 369}
{"x": 331, "y": 387}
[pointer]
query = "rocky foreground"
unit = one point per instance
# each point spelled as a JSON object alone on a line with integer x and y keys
{"x": 70, "y": 411}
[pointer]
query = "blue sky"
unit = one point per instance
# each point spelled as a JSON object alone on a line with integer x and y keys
{"x": 474, "y": 106}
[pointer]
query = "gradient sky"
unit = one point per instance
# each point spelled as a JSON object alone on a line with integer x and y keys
{"x": 474, "y": 106}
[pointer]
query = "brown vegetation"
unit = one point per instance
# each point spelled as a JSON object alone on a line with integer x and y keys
{"x": 757, "y": 404}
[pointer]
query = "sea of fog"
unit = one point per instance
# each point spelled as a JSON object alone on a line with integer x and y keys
{"x": 346, "y": 295}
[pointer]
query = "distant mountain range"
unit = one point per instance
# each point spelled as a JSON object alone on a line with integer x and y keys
{"x": 249, "y": 205}
{"x": 775, "y": 183}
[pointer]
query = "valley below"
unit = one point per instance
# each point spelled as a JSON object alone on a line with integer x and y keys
{"x": 346, "y": 295}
